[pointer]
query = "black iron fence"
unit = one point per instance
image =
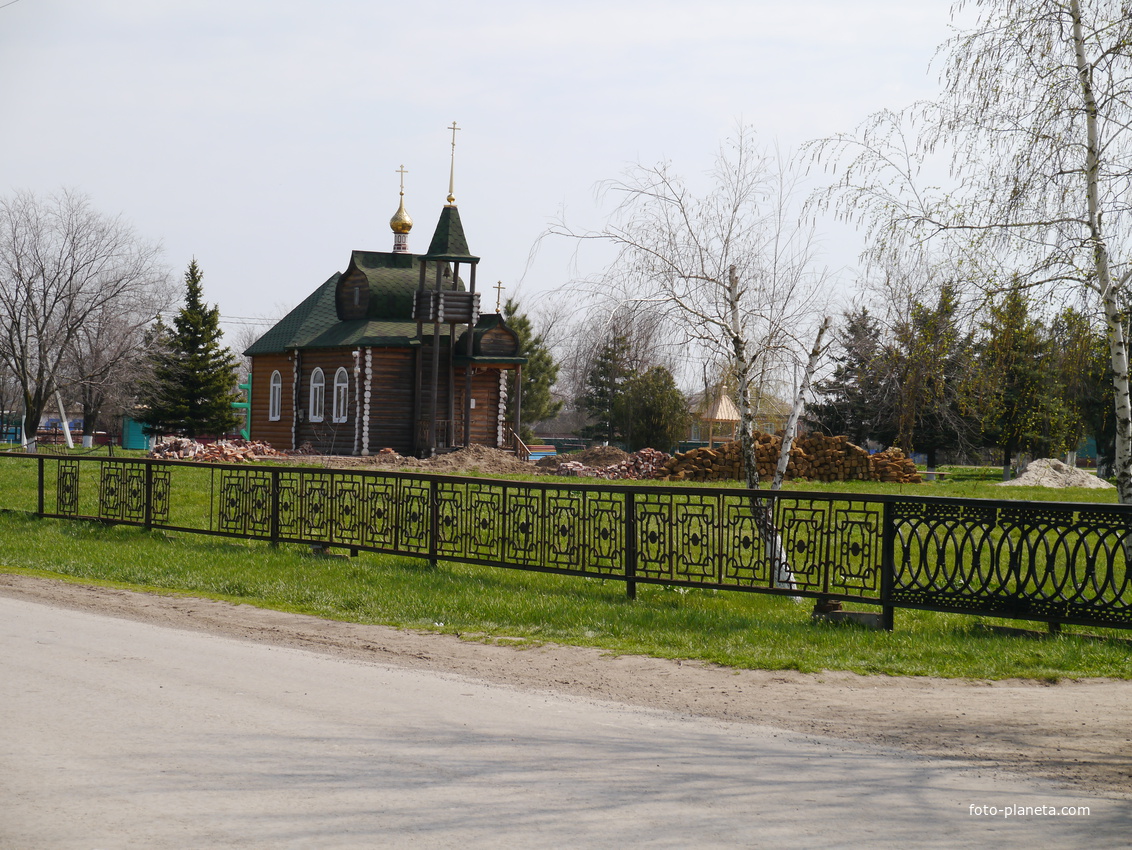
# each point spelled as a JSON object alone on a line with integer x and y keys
{"x": 1045, "y": 561}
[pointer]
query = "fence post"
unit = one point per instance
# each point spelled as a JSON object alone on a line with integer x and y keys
{"x": 433, "y": 521}
{"x": 631, "y": 544}
{"x": 887, "y": 566}
{"x": 274, "y": 532}
{"x": 149, "y": 495}
{"x": 331, "y": 507}
{"x": 42, "y": 483}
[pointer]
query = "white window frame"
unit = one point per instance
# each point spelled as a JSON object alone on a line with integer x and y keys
{"x": 275, "y": 397}
{"x": 318, "y": 395}
{"x": 341, "y": 408}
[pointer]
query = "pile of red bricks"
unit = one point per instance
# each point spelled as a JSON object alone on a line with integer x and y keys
{"x": 639, "y": 466}
{"x": 222, "y": 451}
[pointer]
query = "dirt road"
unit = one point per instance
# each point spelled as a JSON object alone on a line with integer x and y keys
{"x": 121, "y": 731}
{"x": 1078, "y": 732}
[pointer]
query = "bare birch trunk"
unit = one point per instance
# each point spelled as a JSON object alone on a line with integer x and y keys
{"x": 796, "y": 410}
{"x": 743, "y": 375}
{"x": 761, "y": 509}
{"x": 1118, "y": 345}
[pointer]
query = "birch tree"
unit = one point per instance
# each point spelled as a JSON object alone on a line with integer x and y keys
{"x": 732, "y": 267}
{"x": 62, "y": 264}
{"x": 1036, "y": 114}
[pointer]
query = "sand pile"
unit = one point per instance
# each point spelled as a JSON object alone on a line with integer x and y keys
{"x": 1047, "y": 472}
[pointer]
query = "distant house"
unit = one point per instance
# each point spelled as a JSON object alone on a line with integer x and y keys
{"x": 393, "y": 353}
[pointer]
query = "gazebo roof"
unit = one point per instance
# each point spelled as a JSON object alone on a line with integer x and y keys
{"x": 721, "y": 410}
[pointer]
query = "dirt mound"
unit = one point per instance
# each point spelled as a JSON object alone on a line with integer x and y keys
{"x": 598, "y": 456}
{"x": 1047, "y": 472}
{"x": 481, "y": 458}
{"x": 477, "y": 457}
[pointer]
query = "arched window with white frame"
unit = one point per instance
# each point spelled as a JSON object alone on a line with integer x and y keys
{"x": 341, "y": 396}
{"x": 318, "y": 395}
{"x": 275, "y": 397}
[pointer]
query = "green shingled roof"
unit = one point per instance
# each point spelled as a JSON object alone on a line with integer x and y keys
{"x": 316, "y": 311}
{"x": 314, "y": 324}
{"x": 448, "y": 240}
{"x": 393, "y": 278}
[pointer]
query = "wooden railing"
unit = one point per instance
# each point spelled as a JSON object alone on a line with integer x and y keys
{"x": 512, "y": 442}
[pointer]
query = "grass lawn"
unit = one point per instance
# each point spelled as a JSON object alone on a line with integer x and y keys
{"x": 483, "y": 603}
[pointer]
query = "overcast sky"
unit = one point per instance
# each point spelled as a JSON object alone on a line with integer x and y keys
{"x": 263, "y": 138}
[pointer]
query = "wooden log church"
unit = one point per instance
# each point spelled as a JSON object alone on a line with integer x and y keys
{"x": 391, "y": 353}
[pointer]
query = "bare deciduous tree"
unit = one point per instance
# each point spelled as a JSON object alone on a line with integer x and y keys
{"x": 1037, "y": 114}
{"x": 732, "y": 268}
{"x": 107, "y": 356}
{"x": 63, "y": 268}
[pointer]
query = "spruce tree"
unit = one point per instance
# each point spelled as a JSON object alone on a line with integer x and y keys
{"x": 539, "y": 373}
{"x": 604, "y": 387}
{"x": 1024, "y": 407}
{"x": 193, "y": 382}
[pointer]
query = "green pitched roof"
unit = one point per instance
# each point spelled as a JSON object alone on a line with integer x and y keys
{"x": 316, "y": 309}
{"x": 315, "y": 324}
{"x": 393, "y": 279}
{"x": 487, "y": 322}
{"x": 448, "y": 240}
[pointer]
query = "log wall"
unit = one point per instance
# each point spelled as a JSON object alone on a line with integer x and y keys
{"x": 391, "y": 399}
{"x": 390, "y": 381}
{"x": 278, "y": 434}
{"x": 327, "y": 436}
{"x": 485, "y": 390}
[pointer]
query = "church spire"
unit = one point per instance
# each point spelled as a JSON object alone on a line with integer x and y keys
{"x": 401, "y": 223}
{"x": 452, "y": 168}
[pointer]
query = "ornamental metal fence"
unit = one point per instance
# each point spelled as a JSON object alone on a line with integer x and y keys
{"x": 1044, "y": 561}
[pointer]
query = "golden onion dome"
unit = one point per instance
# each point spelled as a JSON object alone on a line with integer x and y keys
{"x": 401, "y": 221}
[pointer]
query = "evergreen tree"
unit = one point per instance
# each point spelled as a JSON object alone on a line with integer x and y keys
{"x": 604, "y": 386}
{"x": 857, "y": 397}
{"x": 930, "y": 365}
{"x": 193, "y": 381}
{"x": 539, "y": 373}
{"x": 1084, "y": 364}
{"x": 652, "y": 410}
{"x": 1025, "y": 409}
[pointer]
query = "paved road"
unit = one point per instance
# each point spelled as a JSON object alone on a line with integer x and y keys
{"x": 118, "y": 734}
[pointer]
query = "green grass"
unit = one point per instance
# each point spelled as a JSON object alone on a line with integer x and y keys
{"x": 484, "y": 603}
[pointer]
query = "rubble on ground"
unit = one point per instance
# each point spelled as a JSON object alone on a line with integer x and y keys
{"x": 643, "y": 465}
{"x": 222, "y": 451}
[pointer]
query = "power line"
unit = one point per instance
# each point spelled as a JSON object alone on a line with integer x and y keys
{"x": 249, "y": 321}
{"x": 9, "y": 3}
